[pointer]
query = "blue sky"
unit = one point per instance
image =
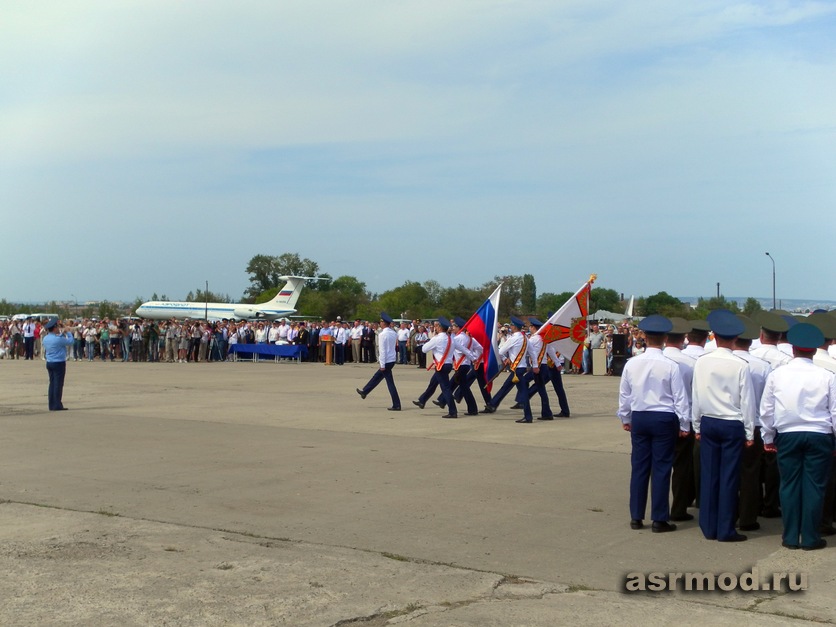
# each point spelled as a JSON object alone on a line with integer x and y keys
{"x": 151, "y": 146}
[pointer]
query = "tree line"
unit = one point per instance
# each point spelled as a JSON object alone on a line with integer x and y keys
{"x": 347, "y": 296}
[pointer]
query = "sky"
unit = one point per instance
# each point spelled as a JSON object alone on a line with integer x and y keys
{"x": 148, "y": 147}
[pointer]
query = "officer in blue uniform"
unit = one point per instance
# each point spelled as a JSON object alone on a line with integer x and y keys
{"x": 55, "y": 350}
{"x": 723, "y": 413}
{"x": 388, "y": 341}
{"x": 441, "y": 347}
{"x": 653, "y": 407}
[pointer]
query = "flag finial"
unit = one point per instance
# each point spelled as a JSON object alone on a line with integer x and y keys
{"x": 592, "y": 278}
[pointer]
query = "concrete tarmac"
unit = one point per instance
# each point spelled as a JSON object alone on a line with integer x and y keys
{"x": 270, "y": 493}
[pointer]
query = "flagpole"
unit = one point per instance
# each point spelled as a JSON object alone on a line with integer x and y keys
{"x": 589, "y": 283}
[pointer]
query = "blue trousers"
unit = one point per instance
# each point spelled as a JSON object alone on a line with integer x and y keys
{"x": 56, "y": 370}
{"x": 522, "y": 391}
{"x": 441, "y": 378}
{"x": 380, "y": 375}
{"x": 804, "y": 460}
{"x": 721, "y": 449}
{"x": 557, "y": 382}
{"x": 653, "y": 435}
{"x": 541, "y": 379}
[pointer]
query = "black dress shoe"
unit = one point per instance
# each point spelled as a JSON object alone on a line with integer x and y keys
{"x": 662, "y": 526}
{"x": 489, "y": 409}
{"x": 635, "y": 523}
{"x": 791, "y": 547}
{"x": 361, "y": 393}
{"x": 450, "y": 416}
{"x": 738, "y": 537}
{"x": 517, "y": 406}
{"x": 750, "y": 527}
{"x": 393, "y": 409}
{"x": 419, "y": 403}
{"x": 563, "y": 415}
{"x": 472, "y": 413}
{"x": 438, "y": 403}
{"x": 546, "y": 418}
{"x": 523, "y": 420}
{"x": 683, "y": 517}
{"x": 818, "y": 545}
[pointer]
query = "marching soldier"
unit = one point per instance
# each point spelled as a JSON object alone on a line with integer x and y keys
{"x": 388, "y": 344}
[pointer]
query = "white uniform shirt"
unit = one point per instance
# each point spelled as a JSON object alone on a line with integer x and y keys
{"x": 438, "y": 347}
{"x": 463, "y": 354}
{"x": 652, "y": 382}
{"x": 342, "y": 335}
{"x": 723, "y": 389}
{"x": 823, "y": 360}
{"x": 786, "y": 348}
{"x": 536, "y": 351}
{"x": 510, "y": 350}
{"x": 686, "y": 366}
{"x": 388, "y": 342}
{"x": 770, "y": 353}
{"x": 694, "y": 351}
{"x": 798, "y": 397}
{"x": 759, "y": 369}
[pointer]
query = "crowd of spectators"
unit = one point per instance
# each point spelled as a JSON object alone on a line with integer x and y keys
{"x": 191, "y": 341}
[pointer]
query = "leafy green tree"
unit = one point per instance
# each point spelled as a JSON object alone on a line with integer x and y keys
{"x": 707, "y": 305}
{"x": 509, "y": 301}
{"x": 108, "y": 310}
{"x": 345, "y": 296}
{"x": 528, "y": 294}
{"x": 434, "y": 290}
{"x": 135, "y": 305}
{"x": 551, "y": 302}
{"x": 752, "y": 306}
{"x": 460, "y": 301}
{"x": 410, "y": 300}
{"x": 202, "y": 296}
{"x": 606, "y": 299}
{"x": 663, "y": 304}
{"x": 265, "y": 272}
{"x": 7, "y": 308}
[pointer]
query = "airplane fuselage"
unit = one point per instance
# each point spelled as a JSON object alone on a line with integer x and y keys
{"x": 165, "y": 310}
{"x": 281, "y": 305}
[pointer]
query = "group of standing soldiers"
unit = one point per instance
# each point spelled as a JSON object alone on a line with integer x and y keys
{"x": 746, "y": 429}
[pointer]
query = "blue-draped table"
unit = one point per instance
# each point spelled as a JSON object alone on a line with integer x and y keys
{"x": 293, "y": 351}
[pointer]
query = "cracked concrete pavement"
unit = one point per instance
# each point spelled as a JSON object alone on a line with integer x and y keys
{"x": 204, "y": 494}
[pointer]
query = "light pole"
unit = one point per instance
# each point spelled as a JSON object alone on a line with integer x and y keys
{"x": 774, "y": 303}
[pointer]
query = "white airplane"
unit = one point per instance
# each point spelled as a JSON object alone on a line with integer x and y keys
{"x": 281, "y": 305}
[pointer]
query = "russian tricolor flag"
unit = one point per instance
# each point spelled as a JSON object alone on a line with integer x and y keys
{"x": 483, "y": 327}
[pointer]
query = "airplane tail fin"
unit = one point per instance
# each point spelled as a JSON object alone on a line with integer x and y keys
{"x": 289, "y": 294}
